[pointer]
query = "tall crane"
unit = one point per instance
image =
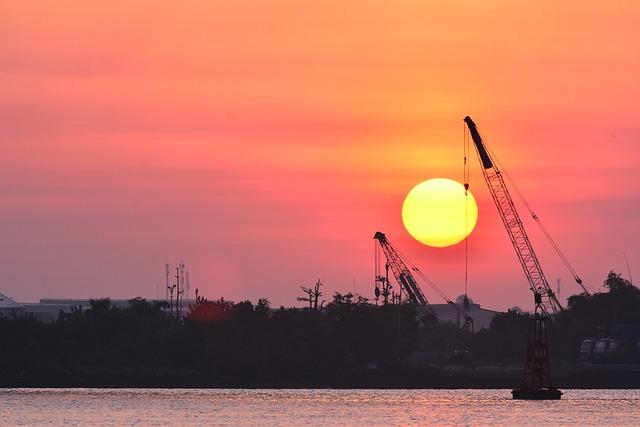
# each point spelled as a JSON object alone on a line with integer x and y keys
{"x": 515, "y": 228}
{"x": 403, "y": 270}
{"x": 402, "y": 273}
{"x": 536, "y": 383}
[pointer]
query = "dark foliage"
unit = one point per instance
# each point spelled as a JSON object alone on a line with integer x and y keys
{"x": 247, "y": 344}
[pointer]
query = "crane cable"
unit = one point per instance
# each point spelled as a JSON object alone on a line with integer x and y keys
{"x": 376, "y": 269}
{"x": 421, "y": 274}
{"x": 466, "y": 179}
{"x": 539, "y": 222}
{"x": 465, "y": 174}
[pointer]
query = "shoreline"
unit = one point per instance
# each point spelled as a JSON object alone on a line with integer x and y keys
{"x": 397, "y": 377}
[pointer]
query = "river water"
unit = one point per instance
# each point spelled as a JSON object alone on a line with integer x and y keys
{"x": 86, "y": 407}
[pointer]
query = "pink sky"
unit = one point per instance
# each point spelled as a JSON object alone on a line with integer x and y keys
{"x": 265, "y": 142}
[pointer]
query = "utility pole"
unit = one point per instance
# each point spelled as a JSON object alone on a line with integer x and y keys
{"x": 170, "y": 291}
{"x": 177, "y": 293}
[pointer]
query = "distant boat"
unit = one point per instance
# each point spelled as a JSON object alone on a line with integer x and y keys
{"x": 536, "y": 393}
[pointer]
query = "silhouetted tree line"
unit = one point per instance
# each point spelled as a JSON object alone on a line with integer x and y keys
{"x": 243, "y": 343}
{"x": 585, "y": 316}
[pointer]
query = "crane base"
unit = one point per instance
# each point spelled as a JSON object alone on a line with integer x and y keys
{"x": 536, "y": 393}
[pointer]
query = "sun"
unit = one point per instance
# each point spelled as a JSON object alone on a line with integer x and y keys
{"x": 437, "y": 213}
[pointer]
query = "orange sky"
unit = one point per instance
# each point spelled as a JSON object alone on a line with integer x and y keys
{"x": 264, "y": 142}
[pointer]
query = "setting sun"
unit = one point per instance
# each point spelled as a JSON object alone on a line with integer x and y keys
{"x": 437, "y": 213}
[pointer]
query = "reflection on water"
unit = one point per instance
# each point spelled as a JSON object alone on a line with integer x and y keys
{"x": 312, "y": 407}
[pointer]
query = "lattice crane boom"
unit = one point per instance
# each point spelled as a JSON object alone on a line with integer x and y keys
{"x": 515, "y": 228}
{"x": 402, "y": 273}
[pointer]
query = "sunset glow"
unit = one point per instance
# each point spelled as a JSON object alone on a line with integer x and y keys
{"x": 264, "y": 142}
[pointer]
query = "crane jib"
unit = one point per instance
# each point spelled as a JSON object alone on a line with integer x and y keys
{"x": 402, "y": 273}
{"x": 514, "y": 226}
{"x": 482, "y": 151}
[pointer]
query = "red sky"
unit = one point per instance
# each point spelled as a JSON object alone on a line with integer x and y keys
{"x": 265, "y": 142}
